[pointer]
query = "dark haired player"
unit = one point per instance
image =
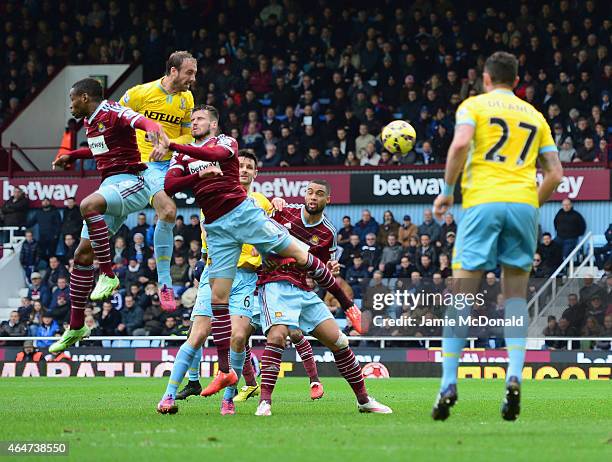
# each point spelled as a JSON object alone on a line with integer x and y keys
{"x": 286, "y": 302}
{"x": 231, "y": 221}
{"x": 505, "y": 137}
{"x": 110, "y": 130}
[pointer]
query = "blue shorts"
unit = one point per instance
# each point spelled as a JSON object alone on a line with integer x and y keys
{"x": 246, "y": 224}
{"x": 285, "y": 304}
{"x": 256, "y": 316}
{"x": 124, "y": 193}
{"x": 497, "y": 232}
{"x": 155, "y": 175}
{"x": 241, "y": 296}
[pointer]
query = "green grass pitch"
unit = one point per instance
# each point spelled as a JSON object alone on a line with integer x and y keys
{"x": 115, "y": 420}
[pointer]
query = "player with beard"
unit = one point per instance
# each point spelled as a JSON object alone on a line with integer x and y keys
{"x": 288, "y": 303}
{"x": 231, "y": 221}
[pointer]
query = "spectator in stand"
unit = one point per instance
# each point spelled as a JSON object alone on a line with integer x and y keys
{"x": 195, "y": 250}
{"x": 391, "y": 256}
{"x": 425, "y": 267}
{"x": 14, "y": 211}
{"x": 55, "y": 271}
{"x": 345, "y": 232}
{"x": 406, "y": 268}
{"x": 48, "y": 328}
{"x": 490, "y": 288}
{"x": 551, "y": 330}
{"x": 141, "y": 226}
{"x": 131, "y": 317}
{"x": 120, "y": 252}
{"x": 13, "y": 327}
{"x": 134, "y": 272}
{"x": 369, "y": 156}
{"x": 430, "y": 226}
{"x": 575, "y": 312}
{"x": 569, "y": 226}
{"x": 193, "y": 231}
{"x": 565, "y": 329}
{"x": 351, "y": 250}
{"x": 356, "y": 276}
{"x": 388, "y": 226}
{"x": 589, "y": 289}
{"x": 591, "y": 328}
{"x": 272, "y": 157}
{"x": 150, "y": 272}
{"x": 588, "y": 152}
{"x": 179, "y": 226}
{"x": 35, "y": 319}
{"x": 425, "y": 248}
{"x": 449, "y": 226}
{"x": 406, "y": 231}
{"x": 425, "y": 154}
{"x": 444, "y": 265}
{"x": 70, "y": 246}
{"x": 25, "y": 309}
{"x": 550, "y": 252}
{"x": 366, "y": 225}
{"x": 596, "y": 308}
{"x": 72, "y": 221}
{"x": 29, "y": 255}
{"x": 371, "y": 253}
{"x": 61, "y": 289}
{"x": 139, "y": 250}
{"x": 108, "y": 319}
{"x": 179, "y": 247}
{"x": 39, "y": 291}
{"x": 60, "y": 308}
{"x": 567, "y": 153}
{"x": 178, "y": 273}
{"x": 364, "y": 138}
{"x": 49, "y": 225}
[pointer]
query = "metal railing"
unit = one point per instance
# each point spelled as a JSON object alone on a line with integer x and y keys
{"x": 382, "y": 340}
{"x": 550, "y": 286}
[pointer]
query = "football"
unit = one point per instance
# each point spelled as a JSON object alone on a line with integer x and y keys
{"x": 375, "y": 371}
{"x": 398, "y": 137}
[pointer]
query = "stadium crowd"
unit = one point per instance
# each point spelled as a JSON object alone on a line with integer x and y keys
{"x": 376, "y": 258}
{"x": 305, "y": 84}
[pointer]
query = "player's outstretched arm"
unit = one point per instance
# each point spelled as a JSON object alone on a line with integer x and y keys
{"x": 62, "y": 159}
{"x": 177, "y": 181}
{"x": 553, "y": 173}
{"x": 206, "y": 153}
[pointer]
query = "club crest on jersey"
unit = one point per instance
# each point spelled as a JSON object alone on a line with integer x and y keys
{"x": 288, "y": 225}
{"x": 314, "y": 240}
{"x": 101, "y": 127}
{"x": 278, "y": 314}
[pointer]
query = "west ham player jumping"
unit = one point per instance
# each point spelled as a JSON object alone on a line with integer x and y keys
{"x": 110, "y": 130}
{"x": 231, "y": 221}
{"x": 241, "y": 298}
{"x": 287, "y": 302}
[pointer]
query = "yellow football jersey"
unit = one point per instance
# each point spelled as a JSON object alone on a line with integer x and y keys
{"x": 171, "y": 110}
{"x": 246, "y": 257}
{"x": 501, "y": 164}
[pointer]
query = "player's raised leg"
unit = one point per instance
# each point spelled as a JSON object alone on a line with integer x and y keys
{"x": 93, "y": 208}
{"x": 304, "y": 349}
{"x": 163, "y": 241}
{"x": 199, "y": 332}
{"x": 327, "y": 332}
{"x": 81, "y": 283}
